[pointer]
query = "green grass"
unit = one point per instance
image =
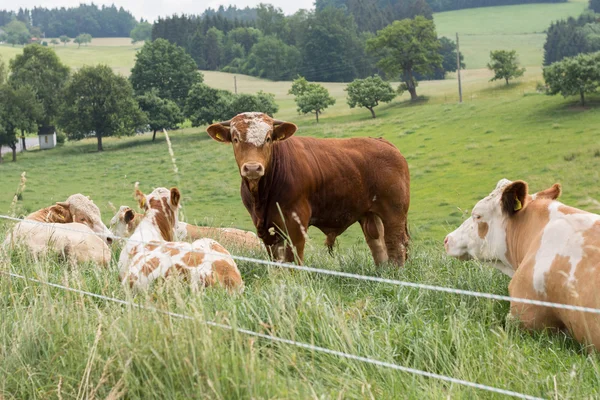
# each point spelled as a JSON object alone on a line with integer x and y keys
{"x": 519, "y": 27}
{"x": 49, "y": 341}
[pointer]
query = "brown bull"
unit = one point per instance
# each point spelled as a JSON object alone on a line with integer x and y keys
{"x": 290, "y": 183}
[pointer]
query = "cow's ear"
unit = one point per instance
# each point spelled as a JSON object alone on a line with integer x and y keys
{"x": 175, "y": 197}
{"x": 284, "y": 131}
{"x": 128, "y": 216}
{"x": 60, "y": 213}
{"x": 552, "y": 193}
{"x": 141, "y": 198}
{"x": 514, "y": 197}
{"x": 219, "y": 132}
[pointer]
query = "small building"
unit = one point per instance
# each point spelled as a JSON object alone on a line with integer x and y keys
{"x": 47, "y": 136}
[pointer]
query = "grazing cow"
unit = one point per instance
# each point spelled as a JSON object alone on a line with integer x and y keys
{"x": 78, "y": 208}
{"x": 186, "y": 232}
{"x": 152, "y": 253}
{"x": 552, "y": 252}
{"x": 290, "y": 183}
{"x": 75, "y": 241}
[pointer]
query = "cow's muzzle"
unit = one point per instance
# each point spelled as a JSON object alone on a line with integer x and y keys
{"x": 252, "y": 170}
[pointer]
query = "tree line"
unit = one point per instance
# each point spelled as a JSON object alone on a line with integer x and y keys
{"x": 323, "y": 45}
{"x": 104, "y": 21}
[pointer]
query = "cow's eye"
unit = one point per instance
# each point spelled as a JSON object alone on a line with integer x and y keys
{"x": 476, "y": 216}
{"x": 268, "y": 139}
{"x": 235, "y": 140}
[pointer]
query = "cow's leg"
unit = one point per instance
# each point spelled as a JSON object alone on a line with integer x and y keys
{"x": 530, "y": 316}
{"x": 373, "y": 229}
{"x": 395, "y": 236}
{"x": 330, "y": 242}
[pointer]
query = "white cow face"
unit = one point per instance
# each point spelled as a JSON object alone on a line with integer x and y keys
{"x": 483, "y": 235}
{"x": 120, "y": 224}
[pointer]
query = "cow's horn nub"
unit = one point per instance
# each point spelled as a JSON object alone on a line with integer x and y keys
{"x": 225, "y": 123}
{"x": 278, "y": 122}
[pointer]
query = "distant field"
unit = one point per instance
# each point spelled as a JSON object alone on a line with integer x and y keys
{"x": 118, "y": 53}
{"x": 519, "y": 27}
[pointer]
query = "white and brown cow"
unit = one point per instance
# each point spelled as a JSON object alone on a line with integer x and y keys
{"x": 152, "y": 253}
{"x": 551, "y": 250}
{"x": 77, "y": 208}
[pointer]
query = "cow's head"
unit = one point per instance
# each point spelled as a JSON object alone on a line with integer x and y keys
{"x": 483, "y": 234}
{"x": 253, "y": 136}
{"x": 124, "y": 222}
{"x": 163, "y": 206}
{"x": 81, "y": 209}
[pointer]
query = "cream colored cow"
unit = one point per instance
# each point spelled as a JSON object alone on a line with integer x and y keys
{"x": 551, "y": 250}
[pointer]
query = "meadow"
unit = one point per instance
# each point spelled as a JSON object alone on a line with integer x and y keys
{"x": 56, "y": 344}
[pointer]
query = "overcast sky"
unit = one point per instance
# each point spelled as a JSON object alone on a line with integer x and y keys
{"x": 150, "y": 9}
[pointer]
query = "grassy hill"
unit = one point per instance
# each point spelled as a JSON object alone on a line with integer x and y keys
{"x": 519, "y": 27}
{"x": 54, "y": 342}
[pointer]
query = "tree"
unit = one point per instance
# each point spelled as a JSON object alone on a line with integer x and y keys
{"x": 213, "y": 48}
{"x": 16, "y": 32}
{"x": 271, "y": 58}
{"x": 505, "y": 66}
{"x": 206, "y": 105}
{"x": 54, "y": 42}
{"x": 407, "y": 47}
{"x": 64, "y": 39}
{"x": 3, "y": 71}
{"x": 83, "y": 38}
{"x": 161, "y": 113}
{"x": 260, "y": 102}
{"x": 369, "y": 92}
{"x": 41, "y": 68}
{"x": 574, "y": 76}
{"x": 142, "y": 32}
{"x": 310, "y": 97}
{"x": 595, "y": 6}
{"x": 100, "y": 103}
{"x": 19, "y": 110}
{"x": 167, "y": 68}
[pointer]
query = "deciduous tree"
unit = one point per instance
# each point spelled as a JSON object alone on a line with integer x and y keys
{"x": 310, "y": 97}
{"x": 505, "y": 65}
{"x": 579, "y": 75}
{"x": 19, "y": 111}
{"x": 141, "y": 32}
{"x": 41, "y": 68}
{"x": 160, "y": 113}
{"x": 369, "y": 92}
{"x": 166, "y": 67}
{"x": 99, "y": 103}
{"x": 407, "y": 47}
{"x": 64, "y": 39}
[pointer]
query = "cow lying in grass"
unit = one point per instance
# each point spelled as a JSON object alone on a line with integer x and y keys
{"x": 78, "y": 208}
{"x": 76, "y": 242}
{"x": 72, "y": 228}
{"x": 152, "y": 253}
{"x": 553, "y": 251}
{"x": 126, "y": 220}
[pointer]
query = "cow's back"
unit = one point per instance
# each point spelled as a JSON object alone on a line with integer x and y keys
{"x": 345, "y": 178}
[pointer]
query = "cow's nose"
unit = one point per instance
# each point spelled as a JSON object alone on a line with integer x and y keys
{"x": 446, "y": 242}
{"x": 253, "y": 170}
{"x": 109, "y": 240}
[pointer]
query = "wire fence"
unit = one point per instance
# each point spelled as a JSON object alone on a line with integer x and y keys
{"x": 308, "y": 269}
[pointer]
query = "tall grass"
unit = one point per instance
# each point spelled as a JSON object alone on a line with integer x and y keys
{"x": 89, "y": 348}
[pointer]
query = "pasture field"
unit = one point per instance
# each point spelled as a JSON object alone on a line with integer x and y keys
{"x": 518, "y": 27}
{"x": 63, "y": 345}
{"x": 118, "y": 53}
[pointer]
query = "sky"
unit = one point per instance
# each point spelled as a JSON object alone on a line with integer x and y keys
{"x": 150, "y": 9}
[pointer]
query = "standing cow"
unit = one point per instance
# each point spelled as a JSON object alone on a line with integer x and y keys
{"x": 290, "y": 183}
